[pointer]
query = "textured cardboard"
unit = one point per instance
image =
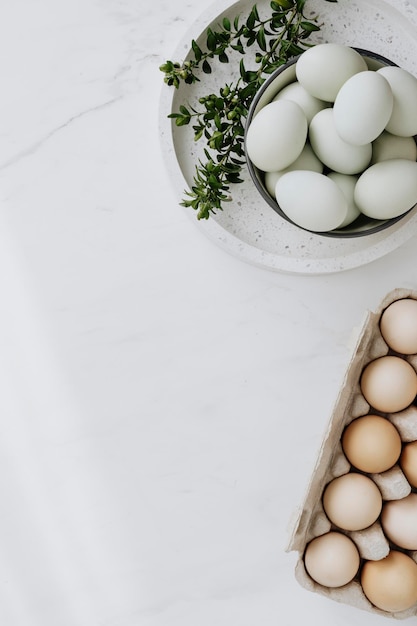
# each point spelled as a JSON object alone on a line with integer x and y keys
{"x": 311, "y": 520}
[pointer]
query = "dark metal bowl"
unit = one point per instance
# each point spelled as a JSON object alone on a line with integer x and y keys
{"x": 279, "y": 79}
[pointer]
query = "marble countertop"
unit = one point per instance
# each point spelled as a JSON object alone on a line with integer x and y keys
{"x": 162, "y": 401}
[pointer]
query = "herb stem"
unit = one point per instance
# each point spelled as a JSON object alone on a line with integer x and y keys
{"x": 222, "y": 116}
{"x": 269, "y": 55}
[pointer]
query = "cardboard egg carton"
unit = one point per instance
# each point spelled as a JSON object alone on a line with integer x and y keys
{"x": 311, "y": 520}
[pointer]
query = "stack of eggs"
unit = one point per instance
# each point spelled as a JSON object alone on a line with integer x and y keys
{"x": 377, "y": 496}
{"x": 338, "y": 142}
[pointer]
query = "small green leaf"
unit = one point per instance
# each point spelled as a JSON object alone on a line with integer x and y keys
{"x": 253, "y": 16}
{"x": 260, "y": 38}
{"x": 247, "y": 91}
{"x": 238, "y": 47}
{"x": 251, "y": 76}
{"x": 167, "y": 67}
{"x": 309, "y": 26}
{"x": 206, "y": 67}
{"x": 182, "y": 121}
{"x": 226, "y": 24}
{"x": 271, "y": 68}
{"x": 197, "y": 50}
{"x": 211, "y": 40}
{"x": 294, "y": 50}
{"x": 277, "y": 22}
{"x": 209, "y": 116}
{"x": 213, "y": 182}
{"x": 281, "y": 4}
{"x": 234, "y": 178}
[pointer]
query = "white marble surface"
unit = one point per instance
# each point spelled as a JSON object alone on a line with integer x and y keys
{"x": 161, "y": 401}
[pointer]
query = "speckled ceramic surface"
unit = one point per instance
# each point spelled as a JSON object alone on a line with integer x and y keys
{"x": 248, "y": 227}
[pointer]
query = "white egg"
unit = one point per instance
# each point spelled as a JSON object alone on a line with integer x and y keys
{"x": 332, "y": 150}
{"x": 306, "y": 161}
{"x": 276, "y": 135}
{"x": 403, "y": 120}
{"x": 347, "y": 185}
{"x": 311, "y": 200}
{"x": 387, "y": 189}
{"x": 363, "y": 107}
{"x": 296, "y": 92}
{"x": 388, "y": 146}
{"x": 324, "y": 68}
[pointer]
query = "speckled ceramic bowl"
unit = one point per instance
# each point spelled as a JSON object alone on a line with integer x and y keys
{"x": 282, "y": 77}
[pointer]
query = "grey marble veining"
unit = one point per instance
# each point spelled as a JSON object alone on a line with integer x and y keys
{"x": 162, "y": 401}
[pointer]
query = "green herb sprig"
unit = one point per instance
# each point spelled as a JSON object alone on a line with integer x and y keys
{"x": 220, "y": 118}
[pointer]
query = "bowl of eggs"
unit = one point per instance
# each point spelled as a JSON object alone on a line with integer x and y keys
{"x": 330, "y": 141}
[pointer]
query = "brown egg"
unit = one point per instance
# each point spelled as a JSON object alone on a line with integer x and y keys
{"x": 408, "y": 462}
{"x": 391, "y": 583}
{"x": 371, "y": 444}
{"x": 399, "y": 521}
{"x": 389, "y": 384}
{"x": 352, "y": 501}
{"x": 398, "y": 325}
{"x": 332, "y": 559}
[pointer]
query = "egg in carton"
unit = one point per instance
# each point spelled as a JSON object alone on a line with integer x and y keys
{"x": 313, "y": 521}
